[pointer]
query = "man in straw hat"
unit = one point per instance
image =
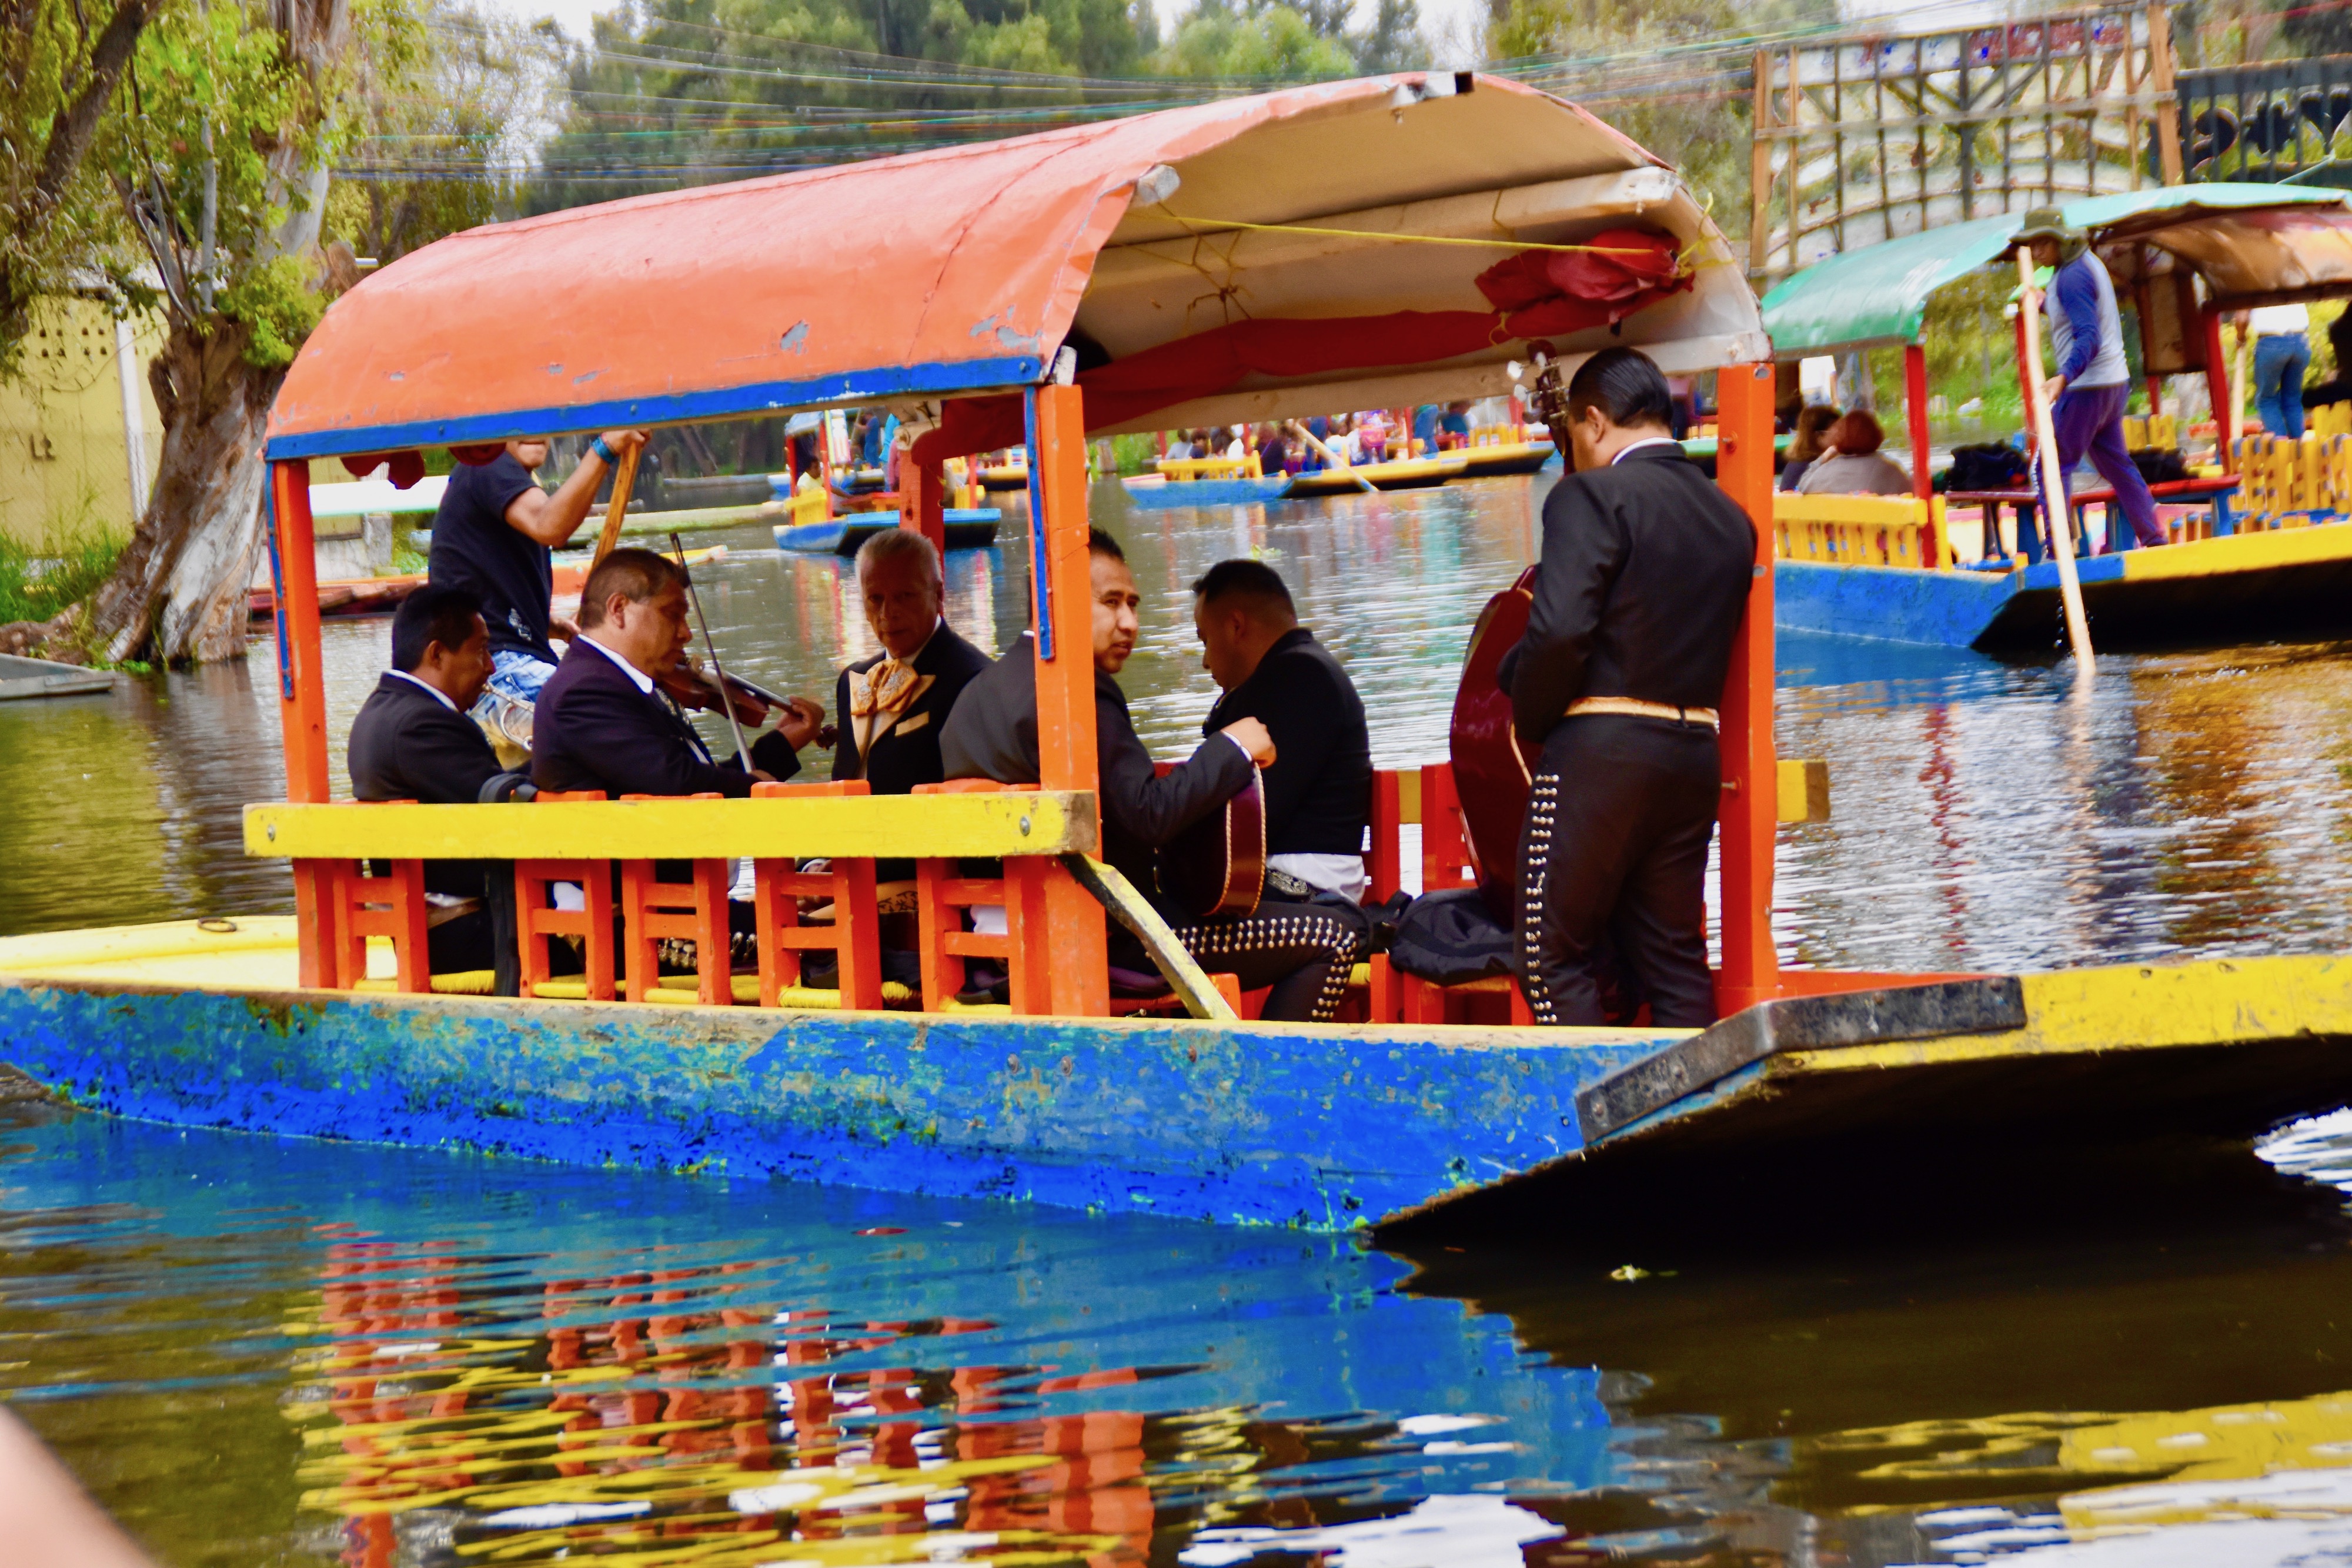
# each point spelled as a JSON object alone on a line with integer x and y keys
{"x": 2093, "y": 382}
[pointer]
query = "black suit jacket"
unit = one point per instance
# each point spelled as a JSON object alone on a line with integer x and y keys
{"x": 408, "y": 744}
{"x": 593, "y": 729}
{"x": 1318, "y": 793}
{"x": 908, "y": 753}
{"x": 992, "y": 734}
{"x": 1643, "y": 580}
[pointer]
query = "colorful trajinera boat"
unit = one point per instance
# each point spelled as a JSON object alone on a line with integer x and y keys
{"x": 2260, "y": 562}
{"x": 1434, "y": 1098}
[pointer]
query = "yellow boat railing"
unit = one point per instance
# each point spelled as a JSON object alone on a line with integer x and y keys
{"x": 1181, "y": 470}
{"x": 2161, "y": 430}
{"x": 2283, "y": 484}
{"x": 1862, "y": 531}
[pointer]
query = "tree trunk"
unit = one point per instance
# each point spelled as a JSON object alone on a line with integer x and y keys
{"x": 179, "y": 591}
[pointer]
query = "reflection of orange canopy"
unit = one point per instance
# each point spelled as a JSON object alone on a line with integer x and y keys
{"x": 963, "y": 270}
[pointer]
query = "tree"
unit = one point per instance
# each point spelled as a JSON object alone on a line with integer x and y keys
{"x": 1262, "y": 43}
{"x": 222, "y": 165}
{"x": 681, "y": 92}
{"x": 62, "y": 80}
{"x": 237, "y": 113}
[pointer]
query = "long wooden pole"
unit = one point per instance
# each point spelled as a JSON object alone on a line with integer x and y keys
{"x": 2053, "y": 480}
{"x": 623, "y": 477}
{"x": 1331, "y": 457}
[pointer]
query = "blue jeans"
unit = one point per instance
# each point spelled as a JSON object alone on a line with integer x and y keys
{"x": 517, "y": 675}
{"x": 2279, "y": 360}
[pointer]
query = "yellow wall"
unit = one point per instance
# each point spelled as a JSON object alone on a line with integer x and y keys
{"x": 61, "y": 426}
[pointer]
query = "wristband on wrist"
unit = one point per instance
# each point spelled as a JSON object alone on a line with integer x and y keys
{"x": 605, "y": 451}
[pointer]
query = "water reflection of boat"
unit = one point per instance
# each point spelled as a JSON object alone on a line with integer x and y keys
{"x": 2276, "y": 562}
{"x": 1394, "y": 1115}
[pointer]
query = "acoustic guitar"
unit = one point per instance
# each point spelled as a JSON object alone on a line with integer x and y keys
{"x": 1492, "y": 770}
{"x": 1216, "y": 868}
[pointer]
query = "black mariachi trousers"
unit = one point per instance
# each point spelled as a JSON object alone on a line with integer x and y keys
{"x": 1612, "y": 857}
{"x": 1304, "y": 953}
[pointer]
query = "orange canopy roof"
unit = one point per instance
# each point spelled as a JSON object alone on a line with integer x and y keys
{"x": 963, "y": 270}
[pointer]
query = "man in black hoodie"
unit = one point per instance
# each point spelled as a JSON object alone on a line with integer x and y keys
{"x": 1304, "y": 954}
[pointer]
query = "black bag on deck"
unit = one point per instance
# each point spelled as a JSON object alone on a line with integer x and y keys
{"x": 1450, "y": 938}
{"x": 2159, "y": 464}
{"x": 1992, "y": 465}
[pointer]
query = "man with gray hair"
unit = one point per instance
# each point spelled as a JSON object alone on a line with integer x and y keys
{"x": 892, "y": 706}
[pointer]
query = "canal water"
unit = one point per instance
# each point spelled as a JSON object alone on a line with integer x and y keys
{"x": 265, "y": 1352}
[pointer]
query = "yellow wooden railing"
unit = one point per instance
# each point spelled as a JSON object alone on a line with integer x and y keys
{"x": 809, "y": 505}
{"x": 1038, "y": 822}
{"x": 1862, "y": 531}
{"x": 2282, "y": 483}
{"x": 2161, "y": 430}
{"x": 1181, "y": 470}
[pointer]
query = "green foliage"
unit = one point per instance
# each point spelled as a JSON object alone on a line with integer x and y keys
{"x": 279, "y": 302}
{"x": 448, "y": 101}
{"x": 677, "y": 92}
{"x": 48, "y": 234}
{"x": 220, "y": 88}
{"x": 1134, "y": 454}
{"x": 37, "y": 582}
{"x": 1218, "y": 41}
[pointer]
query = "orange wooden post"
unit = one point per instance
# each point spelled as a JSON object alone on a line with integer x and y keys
{"x": 1751, "y": 970}
{"x": 302, "y": 701}
{"x": 1914, "y": 398}
{"x": 1077, "y": 981}
{"x": 854, "y": 937}
{"x": 927, "y": 516}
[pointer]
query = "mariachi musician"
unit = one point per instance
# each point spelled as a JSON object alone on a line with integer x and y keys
{"x": 1637, "y": 601}
{"x": 1303, "y": 952}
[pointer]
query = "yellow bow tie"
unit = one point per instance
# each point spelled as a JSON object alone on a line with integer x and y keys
{"x": 887, "y": 688}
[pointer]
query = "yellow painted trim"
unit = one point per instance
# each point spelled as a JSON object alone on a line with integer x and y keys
{"x": 1043, "y": 823}
{"x": 2241, "y": 552}
{"x": 1804, "y": 789}
{"x": 1886, "y": 511}
{"x": 2133, "y": 1007}
{"x": 111, "y": 944}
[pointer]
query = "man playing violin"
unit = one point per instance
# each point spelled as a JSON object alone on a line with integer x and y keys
{"x": 608, "y": 718}
{"x": 1303, "y": 953}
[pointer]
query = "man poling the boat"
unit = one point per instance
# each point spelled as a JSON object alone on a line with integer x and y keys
{"x": 1637, "y": 601}
{"x": 1303, "y": 953}
{"x": 2088, "y": 395}
{"x": 493, "y": 535}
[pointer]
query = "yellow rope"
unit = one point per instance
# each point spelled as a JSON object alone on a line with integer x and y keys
{"x": 1414, "y": 239}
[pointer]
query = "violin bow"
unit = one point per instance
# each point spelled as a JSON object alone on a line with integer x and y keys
{"x": 743, "y": 752}
{"x": 625, "y": 477}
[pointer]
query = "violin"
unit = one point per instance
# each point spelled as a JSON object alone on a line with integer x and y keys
{"x": 690, "y": 687}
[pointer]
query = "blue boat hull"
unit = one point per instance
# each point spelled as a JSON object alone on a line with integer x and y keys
{"x": 2243, "y": 591}
{"x": 968, "y": 528}
{"x": 1251, "y": 1122}
{"x": 1205, "y": 493}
